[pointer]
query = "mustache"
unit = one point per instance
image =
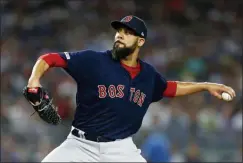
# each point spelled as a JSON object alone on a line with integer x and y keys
{"x": 119, "y": 42}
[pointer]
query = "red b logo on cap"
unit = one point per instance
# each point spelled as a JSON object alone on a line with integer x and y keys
{"x": 127, "y": 19}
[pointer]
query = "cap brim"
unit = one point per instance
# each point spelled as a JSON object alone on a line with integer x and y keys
{"x": 117, "y": 24}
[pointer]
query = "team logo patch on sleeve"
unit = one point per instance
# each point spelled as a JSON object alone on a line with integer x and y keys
{"x": 67, "y": 55}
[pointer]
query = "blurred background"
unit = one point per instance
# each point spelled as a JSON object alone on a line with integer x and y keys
{"x": 188, "y": 40}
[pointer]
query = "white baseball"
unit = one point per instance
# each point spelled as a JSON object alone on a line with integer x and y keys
{"x": 226, "y": 96}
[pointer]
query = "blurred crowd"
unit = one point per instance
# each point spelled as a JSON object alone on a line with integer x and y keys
{"x": 188, "y": 40}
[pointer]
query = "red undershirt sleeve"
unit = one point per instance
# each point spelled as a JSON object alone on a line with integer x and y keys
{"x": 170, "y": 91}
{"x": 54, "y": 60}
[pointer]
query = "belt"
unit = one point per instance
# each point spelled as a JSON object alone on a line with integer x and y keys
{"x": 91, "y": 137}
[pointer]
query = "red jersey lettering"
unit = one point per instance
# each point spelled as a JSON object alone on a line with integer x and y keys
{"x": 120, "y": 92}
{"x": 141, "y": 99}
{"x": 136, "y": 96}
{"x": 102, "y": 91}
{"x": 132, "y": 90}
{"x": 112, "y": 91}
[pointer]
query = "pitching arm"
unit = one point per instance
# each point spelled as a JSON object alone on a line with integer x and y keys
{"x": 187, "y": 88}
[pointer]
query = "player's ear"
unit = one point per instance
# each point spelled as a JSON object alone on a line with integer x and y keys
{"x": 141, "y": 41}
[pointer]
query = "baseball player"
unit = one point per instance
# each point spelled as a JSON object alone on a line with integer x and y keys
{"x": 114, "y": 90}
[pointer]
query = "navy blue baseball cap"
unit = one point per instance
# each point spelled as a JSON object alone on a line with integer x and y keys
{"x": 132, "y": 22}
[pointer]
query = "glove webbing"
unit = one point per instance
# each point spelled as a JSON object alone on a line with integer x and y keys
{"x": 50, "y": 103}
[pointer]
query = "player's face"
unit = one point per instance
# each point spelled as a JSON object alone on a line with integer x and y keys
{"x": 125, "y": 43}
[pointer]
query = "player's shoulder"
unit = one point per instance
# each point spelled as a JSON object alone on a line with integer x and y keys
{"x": 94, "y": 52}
{"x": 152, "y": 70}
{"x": 148, "y": 66}
{"x": 86, "y": 53}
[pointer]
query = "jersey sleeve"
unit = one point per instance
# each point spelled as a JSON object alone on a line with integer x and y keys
{"x": 160, "y": 85}
{"x": 77, "y": 62}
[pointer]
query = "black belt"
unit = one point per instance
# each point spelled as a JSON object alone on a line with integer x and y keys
{"x": 91, "y": 137}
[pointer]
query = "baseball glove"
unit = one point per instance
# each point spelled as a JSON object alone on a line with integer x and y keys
{"x": 39, "y": 99}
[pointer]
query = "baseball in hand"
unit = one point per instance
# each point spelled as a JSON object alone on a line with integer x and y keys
{"x": 226, "y": 96}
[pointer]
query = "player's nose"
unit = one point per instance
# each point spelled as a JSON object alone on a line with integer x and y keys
{"x": 119, "y": 36}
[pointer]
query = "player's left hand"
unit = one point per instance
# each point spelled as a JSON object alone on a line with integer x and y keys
{"x": 42, "y": 103}
{"x": 217, "y": 90}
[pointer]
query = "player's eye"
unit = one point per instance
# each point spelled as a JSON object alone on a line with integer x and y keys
{"x": 119, "y": 29}
{"x": 128, "y": 32}
{"x": 125, "y": 31}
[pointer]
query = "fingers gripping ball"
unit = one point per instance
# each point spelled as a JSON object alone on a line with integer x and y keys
{"x": 226, "y": 96}
{"x": 42, "y": 104}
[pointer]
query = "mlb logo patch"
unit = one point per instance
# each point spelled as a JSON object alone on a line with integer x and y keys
{"x": 127, "y": 19}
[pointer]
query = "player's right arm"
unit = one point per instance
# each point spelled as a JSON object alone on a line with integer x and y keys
{"x": 178, "y": 88}
{"x": 43, "y": 63}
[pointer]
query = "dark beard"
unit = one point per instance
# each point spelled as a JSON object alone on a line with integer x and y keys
{"x": 122, "y": 53}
